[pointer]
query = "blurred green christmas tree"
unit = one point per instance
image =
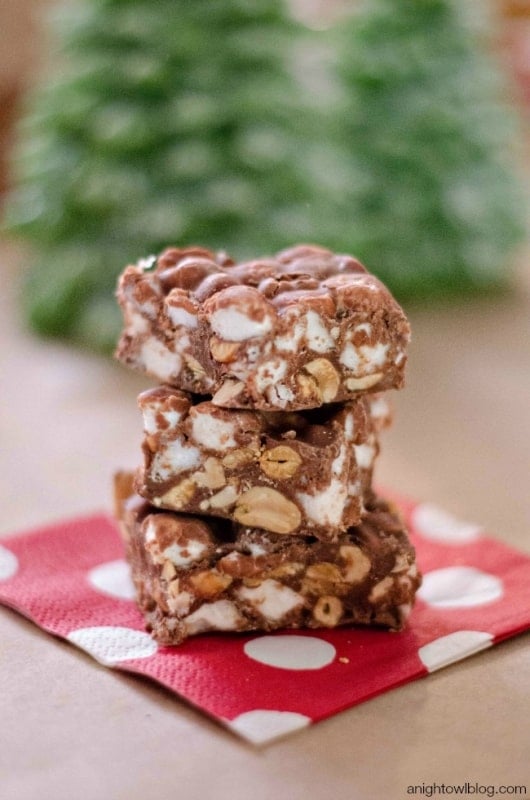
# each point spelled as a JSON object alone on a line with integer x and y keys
{"x": 171, "y": 122}
{"x": 427, "y": 193}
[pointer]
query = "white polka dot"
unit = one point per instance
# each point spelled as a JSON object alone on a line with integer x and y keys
{"x": 110, "y": 645}
{"x": 8, "y": 563}
{"x": 291, "y": 652}
{"x": 261, "y": 726}
{"x": 459, "y": 587}
{"x": 437, "y": 525}
{"x": 113, "y": 578}
{"x": 453, "y": 647}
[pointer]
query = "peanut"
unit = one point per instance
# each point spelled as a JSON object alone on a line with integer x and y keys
{"x": 280, "y": 462}
{"x": 380, "y": 589}
{"x": 357, "y": 563}
{"x": 328, "y": 611}
{"x": 401, "y": 564}
{"x": 174, "y": 587}
{"x": 197, "y": 368}
{"x": 227, "y": 392}
{"x": 326, "y": 376}
{"x": 179, "y": 495}
{"x": 210, "y": 583}
{"x": 224, "y": 352}
{"x": 286, "y": 570}
{"x": 322, "y": 577}
{"x": 180, "y": 603}
{"x": 238, "y": 458}
{"x": 308, "y": 387}
{"x": 168, "y": 570}
{"x": 226, "y": 497}
{"x": 366, "y": 382}
{"x": 152, "y": 443}
{"x": 262, "y": 507}
{"x": 213, "y": 476}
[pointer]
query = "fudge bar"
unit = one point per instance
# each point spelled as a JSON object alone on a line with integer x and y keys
{"x": 286, "y": 472}
{"x": 292, "y": 332}
{"x": 196, "y": 574}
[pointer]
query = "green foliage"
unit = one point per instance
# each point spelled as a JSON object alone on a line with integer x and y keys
{"x": 429, "y": 192}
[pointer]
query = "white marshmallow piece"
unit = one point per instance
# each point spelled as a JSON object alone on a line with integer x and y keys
{"x": 180, "y": 317}
{"x": 271, "y": 599}
{"x": 174, "y": 457}
{"x": 318, "y": 337}
{"x": 212, "y": 433}
{"x": 219, "y": 616}
{"x": 232, "y": 325}
{"x": 159, "y": 360}
{"x": 183, "y": 554}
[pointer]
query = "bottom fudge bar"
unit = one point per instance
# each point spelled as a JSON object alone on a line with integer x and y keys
{"x": 197, "y": 574}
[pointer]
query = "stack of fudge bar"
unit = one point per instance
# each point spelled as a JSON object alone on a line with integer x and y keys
{"x": 254, "y": 507}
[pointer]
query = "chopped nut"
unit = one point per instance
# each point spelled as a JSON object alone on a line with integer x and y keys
{"x": 286, "y": 570}
{"x": 401, "y": 563}
{"x": 226, "y": 497}
{"x": 366, "y": 382}
{"x": 222, "y": 351}
{"x": 151, "y": 443}
{"x": 168, "y": 570}
{"x": 380, "y": 589}
{"x": 324, "y": 570}
{"x": 357, "y": 563}
{"x": 159, "y": 596}
{"x": 123, "y": 489}
{"x": 179, "y": 495}
{"x": 197, "y": 368}
{"x": 280, "y": 462}
{"x": 262, "y": 507}
{"x": 252, "y": 582}
{"x": 328, "y": 611}
{"x": 228, "y": 391}
{"x": 210, "y": 583}
{"x": 322, "y": 577}
{"x": 308, "y": 386}
{"x": 180, "y": 603}
{"x": 238, "y": 458}
{"x": 174, "y": 587}
{"x": 213, "y": 476}
{"x": 326, "y": 376}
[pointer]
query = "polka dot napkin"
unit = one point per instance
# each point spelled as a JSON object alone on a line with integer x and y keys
{"x": 71, "y": 580}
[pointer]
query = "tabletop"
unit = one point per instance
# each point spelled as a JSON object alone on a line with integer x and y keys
{"x": 71, "y": 728}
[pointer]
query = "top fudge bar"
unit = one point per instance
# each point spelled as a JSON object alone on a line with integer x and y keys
{"x": 292, "y": 332}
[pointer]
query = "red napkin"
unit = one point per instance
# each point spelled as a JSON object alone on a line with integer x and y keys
{"x": 71, "y": 580}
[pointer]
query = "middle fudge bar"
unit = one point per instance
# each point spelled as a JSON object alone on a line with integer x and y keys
{"x": 194, "y": 574}
{"x": 288, "y": 473}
